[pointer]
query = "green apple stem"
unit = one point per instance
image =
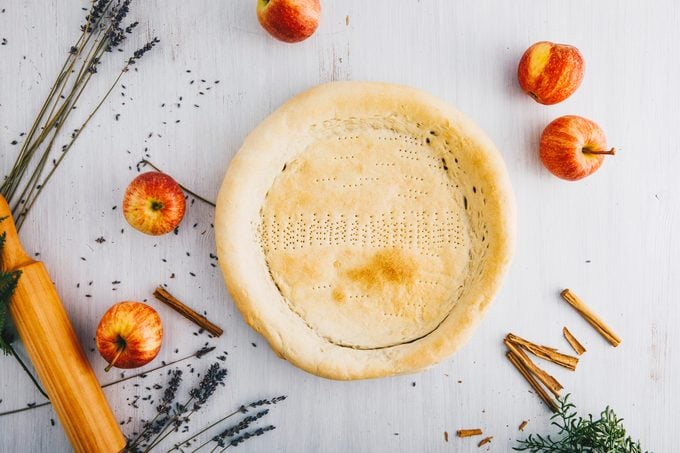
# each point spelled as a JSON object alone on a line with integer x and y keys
{"x": 121, "y": 348}
{"x": 610, "y": 152}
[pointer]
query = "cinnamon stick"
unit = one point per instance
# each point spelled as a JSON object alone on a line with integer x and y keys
{"x": 545, "y": 352}
{"x": 573, "y": 342}
{"x": 484, "y": 441}
{"x": 547, "y": 399}
{"x": 469, "y": 432}
{"x": 547, "y": 380}
{"x": 523, "y": 425}
{"x": 591, "y": 317}
{"x": 174, "y": 303}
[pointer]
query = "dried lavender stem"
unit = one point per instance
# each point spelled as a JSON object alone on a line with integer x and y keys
{"x": 26, "y": 153}
{"x": 37, "y": 172}
{"x": 158, "y": 439}
{"x": 28, "y": 372}
{"x": 63, "y": 75}
{"x": 58, "y": 120}
{"x": 73, "y": 139}
{"x": 184, "y": 188}
{"x": 139, "y": 436}
{"x": 24, "y": 409}
{"x": 202, "y": 431}
{"x": 53, "y": 126}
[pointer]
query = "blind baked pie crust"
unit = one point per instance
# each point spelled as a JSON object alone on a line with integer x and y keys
{"x": 363, "y": 229}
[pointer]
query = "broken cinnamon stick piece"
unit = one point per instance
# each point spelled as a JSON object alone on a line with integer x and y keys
{"x": 168, "y": 299}
{"x": 547, "y": 380}
{"x": 523, "y": 425}
{"x": 545, "y": 352}
{"x": 591, "y": 317}
{"x": 469, "y": 432}
{"x": 547, "y": 399}
{"x": 484, "y": 441}
{"x": 573, "y": 342}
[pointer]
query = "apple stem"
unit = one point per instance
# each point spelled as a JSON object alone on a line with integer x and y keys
{"x": 610, "y": 152}
{"x": 117, "y": 356}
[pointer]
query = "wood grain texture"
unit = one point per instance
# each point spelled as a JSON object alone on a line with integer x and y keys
{"x": 55, "y": 350}
{"x": 612, "y": 237}
{"x": 61, "y": 365}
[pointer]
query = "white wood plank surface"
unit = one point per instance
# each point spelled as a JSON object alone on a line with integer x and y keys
{"x": 613, "y": 237}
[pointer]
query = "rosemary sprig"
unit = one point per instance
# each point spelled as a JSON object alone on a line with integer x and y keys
{"x": 575, "y": 433}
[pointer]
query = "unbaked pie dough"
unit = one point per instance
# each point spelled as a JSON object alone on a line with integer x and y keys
{"x": 363, "y": 229}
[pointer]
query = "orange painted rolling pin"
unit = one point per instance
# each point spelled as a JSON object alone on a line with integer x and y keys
{"x": 57, "y": 356}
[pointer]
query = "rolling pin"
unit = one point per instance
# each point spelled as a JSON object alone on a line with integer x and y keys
{"x": 57, "y": 356}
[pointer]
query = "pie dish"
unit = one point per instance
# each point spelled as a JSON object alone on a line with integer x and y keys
{"x": 363, "y": 229}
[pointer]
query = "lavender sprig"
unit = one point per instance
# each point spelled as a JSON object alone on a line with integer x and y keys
{"x": 259, "y": 403}
{"x": 212, "y": 379}
{"x": 237, "y": 428}
{"x": 258, "y": 432}
{"x": 199, "y": 395}
{"x": 198, "y": 354}
{"x": 160, "y": 420}
{"x": 103, "y": 30}
{"x": 243, "y": 409}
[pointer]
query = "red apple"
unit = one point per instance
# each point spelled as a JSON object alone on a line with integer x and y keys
{"x": 154, "y": 203}
{"x": 549, "y": 72}
{"x": 129, "y": 335}
{"x": 289, "y": 20}
{"x": 573, "y": 147}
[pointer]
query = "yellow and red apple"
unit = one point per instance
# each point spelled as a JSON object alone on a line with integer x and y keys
{"x": 154, "y": 203}
{"x": 550, "y": 72}
{"x": 289, "y": 20}
{"x": 573, "y": 147}
{"x": 129, "y": 335}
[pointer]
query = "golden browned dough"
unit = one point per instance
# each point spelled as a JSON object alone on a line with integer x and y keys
{"x": 363, "y": 229}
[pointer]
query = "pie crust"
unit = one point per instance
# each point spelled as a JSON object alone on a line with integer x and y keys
{"x": 363, "y": 229}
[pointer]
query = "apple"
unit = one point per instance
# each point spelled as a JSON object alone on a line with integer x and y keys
{"x": 550, "y": 72}
{"x": 129, "y": 335}
{"x": 573, "y": 147}
{"x": 154, "y": 203}
{"x": 289, "y": 20}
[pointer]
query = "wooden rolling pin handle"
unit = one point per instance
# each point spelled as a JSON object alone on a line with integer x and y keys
{"x": 56, "y": 354}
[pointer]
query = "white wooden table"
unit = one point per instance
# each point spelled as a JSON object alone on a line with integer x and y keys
{"x": 612, "y": 237}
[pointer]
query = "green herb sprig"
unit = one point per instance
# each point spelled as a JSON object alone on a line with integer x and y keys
{"x": 578, "y": 434}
